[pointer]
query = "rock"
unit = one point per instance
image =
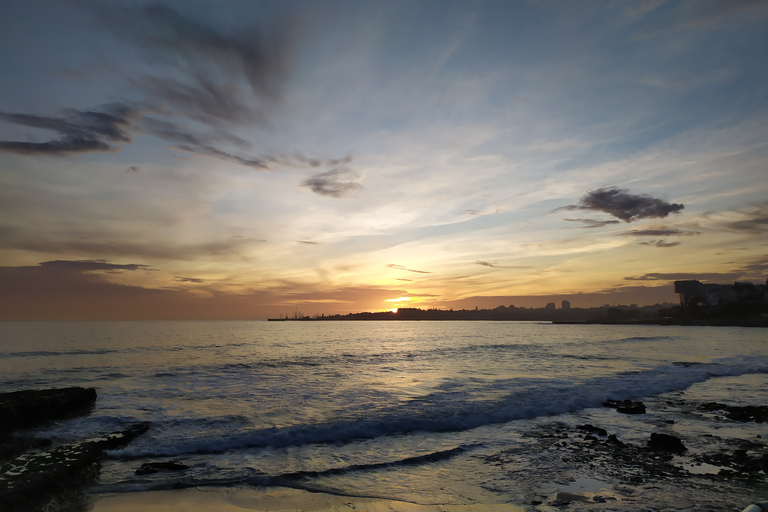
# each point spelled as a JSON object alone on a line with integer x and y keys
{"x": 34, "y": 477}
{"x": 756, "y": 413}
{"x": 591, "y": 428}
{"x": 748, "y": 413}
{"x": 666, "y": 443}
{"x": 23, "y": 409}
{"x": 14, "y": 446}
{"x": 567, "y": 497}
{"x": 626, "y": 406}
{"x": 153, "y": 467}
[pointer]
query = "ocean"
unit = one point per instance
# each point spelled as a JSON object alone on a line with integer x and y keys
{"x": 424, "y": 412}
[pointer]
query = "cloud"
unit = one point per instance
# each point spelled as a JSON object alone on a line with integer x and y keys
{"x": 102, "y": 129}
{"x": 189, "y": 280}
{"x": 92, "y": 266}
{"x": 400, "y": 267}
{"x": 753, "y": 221}
{"x": 496, "y": 265}
{"x": 79, "y": 131}
{"x": 186, "y": 141}
{"x": 752, "y": 271}
{"x": 71, "y": 290}
{"x": 213, "y": 66}
{"x": 660, "y": 232}
{"x": 330, "y": 183}
{"x": 623, "y": 205}
{"x": 98, "y": 245}
{"x": 592, "y": 223}
{"x": 660, "y": 243}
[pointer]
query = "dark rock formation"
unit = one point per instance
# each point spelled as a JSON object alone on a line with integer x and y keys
{"x": 666, "y": 443}
{"x": 591, "y": 428}
{"x": 626, "y": 406}
{"x": 23, "y": 409}
{"x": 748, "y": 413}
{"x": 31, "y": 479}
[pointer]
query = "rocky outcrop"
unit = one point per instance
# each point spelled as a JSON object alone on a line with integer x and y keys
{"x": 666, "y": 443}
{"x": 626, "y": 406}
{"x": 34, "y": 477}
{"x": 35, "y": 474}
{"x": 748, "y": 413}
{"x": 24, "y": 409}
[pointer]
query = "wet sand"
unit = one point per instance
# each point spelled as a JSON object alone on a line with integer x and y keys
{"x": 211, "y": 499}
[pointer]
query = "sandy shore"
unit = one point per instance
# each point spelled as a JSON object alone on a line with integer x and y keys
{"x": 208, "y": 499}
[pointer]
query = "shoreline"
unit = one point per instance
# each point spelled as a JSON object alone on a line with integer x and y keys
{"x": 237, "y": 499}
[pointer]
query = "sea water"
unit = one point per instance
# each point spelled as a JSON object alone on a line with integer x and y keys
{"x": 393, "y": 409}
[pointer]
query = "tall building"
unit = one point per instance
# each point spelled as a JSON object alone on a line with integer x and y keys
{"x": 566, "y": 306}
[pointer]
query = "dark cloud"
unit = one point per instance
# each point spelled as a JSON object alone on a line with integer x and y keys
{"x": 592, "y": 223}
{"x": 317, "y": 162}
{"x": 660, "y": 243}
{"x": 661, "y": 232}
{"x": 623, "y": 205}
{"x": 133, "y": 168}
{"x": 400, "y": 267}
{"x": 92, "y": 266}
{"x": 308, "y": 242}
{"x": 79, "y": 131}
{"x": 189, "y": 280}
{"x": 332, "y": 184}
{"x": 103, "y": 129}
{"x": 213, "y": 66}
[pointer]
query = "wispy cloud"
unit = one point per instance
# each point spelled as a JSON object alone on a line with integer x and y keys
{"x": 661, "y": 232}
{"x": 660, "y": 243}
{"x": 621, "y": 204}
{"x": 212, "y": 64}
{"x": 754, "y": 270}
{"x": 496, "y": 265}
{"x": 400, "y": 267}
{"x": 92, "y": 266}
{"x": 189, "y": 280}
{"x": 79, "y": 131}
{"x": 592, "y": 223}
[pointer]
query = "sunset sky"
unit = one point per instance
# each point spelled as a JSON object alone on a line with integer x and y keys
{"x": 246, "y": 159}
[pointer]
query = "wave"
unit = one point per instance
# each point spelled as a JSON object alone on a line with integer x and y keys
{"x": 440, "y": 412}
{"x": 291, "y": 479}
{"x": 54, "y": 353}
{"x": 645, "y": 338}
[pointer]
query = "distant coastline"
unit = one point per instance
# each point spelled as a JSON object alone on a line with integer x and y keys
{"x": 739, "y": 305}
{"x": 660, "y": 314}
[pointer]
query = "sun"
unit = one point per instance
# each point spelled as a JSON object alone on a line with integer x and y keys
{"x": 399, "y": 302}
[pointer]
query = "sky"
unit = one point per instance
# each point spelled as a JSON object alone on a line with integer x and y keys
{"x": 251, "y": 159}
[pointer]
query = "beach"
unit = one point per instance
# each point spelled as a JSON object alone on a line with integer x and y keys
{"x": 234, "y": 500}
{"x": 402, "y": 415}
